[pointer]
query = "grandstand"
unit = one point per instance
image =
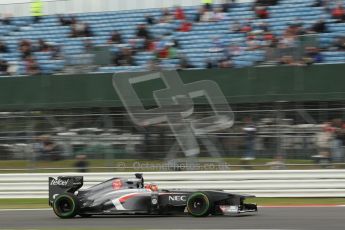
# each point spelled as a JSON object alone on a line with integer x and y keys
{"x": 198, "y": 45}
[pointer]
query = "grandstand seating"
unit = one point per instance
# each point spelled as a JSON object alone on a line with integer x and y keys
{"x": 195, "y": 45}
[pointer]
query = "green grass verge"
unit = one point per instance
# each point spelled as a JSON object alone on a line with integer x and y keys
{"x": 132, "y": 165}
{"x": 43, "y": 203}
{"x": 23, "y": 203}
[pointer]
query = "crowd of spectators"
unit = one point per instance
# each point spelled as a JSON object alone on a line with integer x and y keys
{"x": 27, "y": 49}
{"x": 78, "y": 28}
{"x": 47, "y": 149}
{"x": 331, "y": 141}
{"x": 282, "y": 50}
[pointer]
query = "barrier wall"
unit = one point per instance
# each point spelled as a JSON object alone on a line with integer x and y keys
{"x": 262, "y": 183}
{"x": 246, "y": 85}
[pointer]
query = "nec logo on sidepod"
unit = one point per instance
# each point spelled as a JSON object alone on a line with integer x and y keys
{"x": 59, "y": 182}
{"x": 177, "y": 198}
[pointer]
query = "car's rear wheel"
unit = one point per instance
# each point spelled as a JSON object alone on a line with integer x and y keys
{"x": 66, "y": 206}
{"x": 198, "y": 204}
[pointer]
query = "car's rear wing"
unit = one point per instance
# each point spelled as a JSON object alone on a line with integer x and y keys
{"x": 63, "y": 184}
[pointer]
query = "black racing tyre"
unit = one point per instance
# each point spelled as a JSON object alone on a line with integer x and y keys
{"x": 198, "y": 204}
{"x": 66, "y": 206}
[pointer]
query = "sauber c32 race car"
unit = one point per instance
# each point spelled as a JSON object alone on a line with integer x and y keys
{"x": 132, "y": 196}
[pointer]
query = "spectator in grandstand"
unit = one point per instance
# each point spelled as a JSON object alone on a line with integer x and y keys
{"x": 265, "y": 2}
{"x": 115, "y": 38}
{"x": 176, "y": 44}
{"x": 253, "y": 42}
{"x": 12, "y": 68}
{"x": 339, "y": 43}
{"x": 184, "y": 63}
{"x": 249, "y": 130}
{"x": 227, "y": 5}
{"x": 210, "y": 64}
{"x": 64, "y": 20}
{"x": 185, "y": 26}
{"x": 32, "y": 67}
{"x": 80, "y": 29}
{"x": 76, "y": 29}
{"x": 179, "y": 13}
{"x": 269, "y": 38}
{"x": 43, "y": 46}
{"x": 287, "y": 60}
{"x": 3, "y": 47}
{"x": 234, "y": 49}
{"x": 55, "y": 51}
{"x": 81, "y": 164}
{"x": 73, "y": 20}
{"x": 124, "y": 57}
{"x": 207, "y": 16}
{"x": 160, "y": 44}
{"x": 296, "y": 27}
{"x": 172, "y": 50}
{"x": 246, "y": 28}
{"x": 37, "y": 10}
{"x": 87, "y": 30}
{"x": 339, "y": 13}
{"x": 261, "y": 12}
{"x": 235, "y": 27}
{"x": 319, "y": 27}
{"x": 199, "y": 14}
{"x": 25, "y": 48}
{"x": 337, "y": 145}
{"x": 207, "y": 4}
{"x": 150, "y": 20}
{"x": 150, "y": 45}
{"x": 218, "y": 15}
{"x": 312, "y": 55}
{"x": 163, "y": 52}
{"x": 225, "y": 63}
{"x": 167, "y": 16}
{"x": 270, "y": 47}
{"x": 153, "y": 65}
{"x": 142, "y": 32}
{"x": 289, "y": 39}
{"x": 4, "y": 67}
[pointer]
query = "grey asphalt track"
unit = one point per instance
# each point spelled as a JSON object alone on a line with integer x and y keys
{"x": 330, "y": 218}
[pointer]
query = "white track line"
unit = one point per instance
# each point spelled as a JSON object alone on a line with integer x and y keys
{"x": 24, "y": 209}
{"x": 302, "y": 206}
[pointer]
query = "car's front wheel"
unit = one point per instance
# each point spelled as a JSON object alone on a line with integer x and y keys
{"x": 198, "y": 204}
{"x": 66, "y": 206}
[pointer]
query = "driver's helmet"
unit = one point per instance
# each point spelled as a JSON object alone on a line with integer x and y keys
{"x": 152, "y": 187}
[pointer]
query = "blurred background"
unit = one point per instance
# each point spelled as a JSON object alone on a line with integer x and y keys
{"x": 279, "y": 63}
